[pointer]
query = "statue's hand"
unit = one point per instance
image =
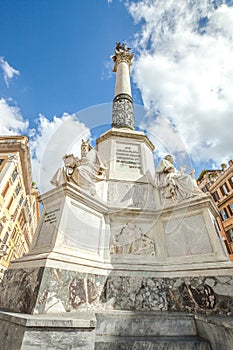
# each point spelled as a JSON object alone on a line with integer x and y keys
{"x": 182, "y": 169}
{"x": 170, "y": 170}
{"x": 78, "y": 162}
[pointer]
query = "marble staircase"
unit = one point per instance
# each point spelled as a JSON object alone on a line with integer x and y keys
{"x": 120, "y": 330}
{"x": 147, "y": 330}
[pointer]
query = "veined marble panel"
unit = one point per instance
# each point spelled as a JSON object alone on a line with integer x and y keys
{"x": 131, "y": 195}
{"x": 83, "y": 228}
{"x": 187, "y": 236}
{"x": 53, "y": 290}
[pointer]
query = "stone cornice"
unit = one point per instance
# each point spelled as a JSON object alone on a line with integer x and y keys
{"x": 191, "y": 204}
{"x": 221, "y": 179}
{"x": 126, "y": 134}
{"x": 74, "y": 192}
{"x": 9, "y": 144}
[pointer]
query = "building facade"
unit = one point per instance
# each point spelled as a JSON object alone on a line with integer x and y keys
{"x": 19, "y": 207}
{"x": 220, "y": 184}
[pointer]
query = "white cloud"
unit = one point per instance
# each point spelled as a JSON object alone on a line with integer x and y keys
{"x": 184, "y": 69}
{"x": 52, "y": 140}
{"x": 8, "y": 71}
{"x": 48, "y": 143}
{"x": 11, "y": 119}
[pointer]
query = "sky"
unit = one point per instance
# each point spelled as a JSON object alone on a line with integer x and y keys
{"x": 57, "y": 85}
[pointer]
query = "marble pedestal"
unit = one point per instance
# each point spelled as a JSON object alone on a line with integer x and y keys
{"x": 87, "y": 255}
{"x": 93, "y": 256}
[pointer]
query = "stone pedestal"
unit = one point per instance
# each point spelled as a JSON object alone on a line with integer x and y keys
{"x": 120, "y": 248}
{"x": 87, "y": 255}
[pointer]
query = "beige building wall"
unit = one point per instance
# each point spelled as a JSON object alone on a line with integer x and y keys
{"x": 19, "y": 207}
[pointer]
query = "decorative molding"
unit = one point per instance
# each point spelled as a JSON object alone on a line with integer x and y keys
{"x": 125, "y": 134}
{"x": 123, "y": 96}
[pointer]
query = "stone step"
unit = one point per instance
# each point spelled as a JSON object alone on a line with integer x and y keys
{"x": 150, "y": 343}
{"x": 126, "y": 323}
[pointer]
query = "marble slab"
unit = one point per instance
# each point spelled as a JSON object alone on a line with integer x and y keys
{"x": 58, "y": 332}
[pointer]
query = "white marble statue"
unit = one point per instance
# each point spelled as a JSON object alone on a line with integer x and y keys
{"x": 175, "y": 184}
{"x": 84, "y": 172}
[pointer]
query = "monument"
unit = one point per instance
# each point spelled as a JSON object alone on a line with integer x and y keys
{"x": 125, "y": 253}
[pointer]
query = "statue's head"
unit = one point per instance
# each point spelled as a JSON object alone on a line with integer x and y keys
{"x": 169, "y": 158}
{"x": 69, "y": 160}
{"x": 85, "y": 148}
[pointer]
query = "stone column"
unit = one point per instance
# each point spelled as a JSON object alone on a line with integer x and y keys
{"x": 122, "y": 111}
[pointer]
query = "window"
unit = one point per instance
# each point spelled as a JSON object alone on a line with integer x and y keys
{"x": 230, "y": 207}
{"x": 224, "y": 189}
{"x": 205, "y": 189}
{"x": 2, "y": 162}
{"x": 17, "y": 190}
{"x": 229, "y": 235}
{"x": 231, "y": 181}
{"x": 14, "y": 174}
{"x": 15, "y": 214}
{"x": 6, "y": 188}
{"x": 26, "y": 207}
{"x": 9, "y": 204}
{"x": 216, "y": 196}
{"x": 4, "y": 241}
{"x": 224, "y": 214}
{"x": 21, "y": 220}
{"x": 14, "y": 234}
{"x": 21, "y": 200}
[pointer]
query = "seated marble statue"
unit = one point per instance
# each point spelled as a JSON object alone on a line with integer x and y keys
{"x": 175, "y": 184}
{"x": 84, "y": 172}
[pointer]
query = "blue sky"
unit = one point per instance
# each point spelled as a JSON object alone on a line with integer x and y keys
{"x": 55, "y": 61}
{"x": 61, "y": 48}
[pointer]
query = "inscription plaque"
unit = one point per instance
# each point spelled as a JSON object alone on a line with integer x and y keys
{"x": 51, "y": 216}
{"x": 128, "y": 158}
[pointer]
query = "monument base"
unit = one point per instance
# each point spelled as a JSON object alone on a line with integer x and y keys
{"x": 46, "y": 290}
{"x": 141, "y": 259}
{"x": 24, "y": 332}
{"x": 115, "y": 330}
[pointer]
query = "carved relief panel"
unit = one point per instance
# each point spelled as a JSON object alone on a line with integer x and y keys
{"x": 131, "y": 238}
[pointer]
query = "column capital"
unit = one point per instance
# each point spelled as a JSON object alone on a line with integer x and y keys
{"x": 122, "y": 54}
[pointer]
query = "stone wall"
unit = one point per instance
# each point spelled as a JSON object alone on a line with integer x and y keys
{"x": 218, "y": 331}
{"x": 51, "y": 290}
{"x": 208, "y": 295}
